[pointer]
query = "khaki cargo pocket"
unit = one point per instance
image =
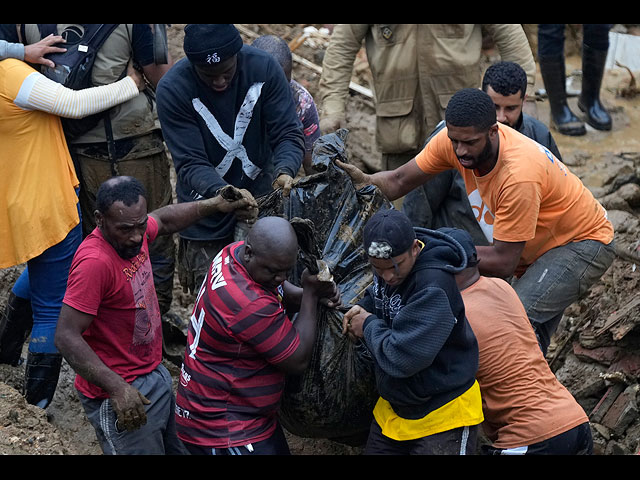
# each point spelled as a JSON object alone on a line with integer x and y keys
{"x": 397, "y": 127}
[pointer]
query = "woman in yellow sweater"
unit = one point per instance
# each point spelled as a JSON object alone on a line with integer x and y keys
{"x": 39, "y": 216}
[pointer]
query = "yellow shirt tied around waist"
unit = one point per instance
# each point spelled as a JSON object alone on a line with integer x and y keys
{"x": 465, "y": 410}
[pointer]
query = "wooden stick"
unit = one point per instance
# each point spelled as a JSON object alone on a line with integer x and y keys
{"x": 310, "y": 65}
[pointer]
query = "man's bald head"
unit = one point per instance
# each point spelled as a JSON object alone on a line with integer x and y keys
{"x": 273, "y": 235}
{"x": 271, "y": 251}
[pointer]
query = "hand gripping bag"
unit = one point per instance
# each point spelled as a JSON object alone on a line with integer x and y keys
{"x": 335, "y": 397}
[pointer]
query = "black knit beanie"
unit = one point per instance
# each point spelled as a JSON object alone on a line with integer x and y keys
{"x": 210, "y": 44}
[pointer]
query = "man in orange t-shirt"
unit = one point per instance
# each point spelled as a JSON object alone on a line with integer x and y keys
{"x": 545, "y": 226}
{"x": 527, "y": 411}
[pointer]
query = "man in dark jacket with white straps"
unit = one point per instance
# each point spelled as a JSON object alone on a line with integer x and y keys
{"x": 412, "y": 320}
{"x": 228, "y": 117}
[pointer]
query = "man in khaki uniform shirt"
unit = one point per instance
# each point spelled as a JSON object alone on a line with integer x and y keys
{"x": 416, "y": 69}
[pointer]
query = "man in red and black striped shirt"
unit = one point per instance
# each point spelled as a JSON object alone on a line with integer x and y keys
{"x": 241, "y": 343}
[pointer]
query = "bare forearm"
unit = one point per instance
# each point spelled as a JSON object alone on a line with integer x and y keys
{"x": 84, "y": 361}
{"x": 492, "y": 264}
{"x": 397, "y": 183}
{"x": 292, "y": 297}
{"x": 390, "y": 184}
{"x": 175, "y": 217}
{"x": 178, "y": 216}
{"x": 307, "y": 325}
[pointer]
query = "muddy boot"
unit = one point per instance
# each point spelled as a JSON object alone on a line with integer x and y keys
{"x": 562, "y": 118}
{"x": 589, "y": 102}
{"x": 15, "y": 325}
{"x": 41, "y": 378}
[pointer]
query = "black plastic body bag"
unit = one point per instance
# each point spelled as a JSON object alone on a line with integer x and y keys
{"x": 335, "y": 397}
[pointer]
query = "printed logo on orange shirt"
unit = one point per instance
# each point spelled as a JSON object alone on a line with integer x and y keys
{"x": 483, "y": 215}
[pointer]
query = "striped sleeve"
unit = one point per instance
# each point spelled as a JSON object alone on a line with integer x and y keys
{"x": 266, "y": 327}
{"x": 40, "y": 93}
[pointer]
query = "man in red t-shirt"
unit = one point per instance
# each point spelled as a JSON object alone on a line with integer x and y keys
{"x": 109, "y": 329}
{"x": 241, "y": 343}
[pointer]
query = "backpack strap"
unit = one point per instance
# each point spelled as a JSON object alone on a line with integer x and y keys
{"x": 111, "y": 144}
{"x": 45, "y": 29}
{"x": 160, "y": 43}
{"x": 100, "y": 35}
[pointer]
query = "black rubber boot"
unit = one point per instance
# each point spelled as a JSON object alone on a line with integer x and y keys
{"x": 15, "y": 326}
{"x": 41, "y": 378}
{"x": 562, "y": 118}
{"x": 593, "y": 62}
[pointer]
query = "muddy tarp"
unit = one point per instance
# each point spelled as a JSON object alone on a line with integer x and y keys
{"x": 335, "y": 397}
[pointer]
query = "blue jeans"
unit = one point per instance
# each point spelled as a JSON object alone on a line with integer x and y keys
{"x": 44, "y": 282}
{"x": 559, "y": 278}
{"x": 21, "y": 287}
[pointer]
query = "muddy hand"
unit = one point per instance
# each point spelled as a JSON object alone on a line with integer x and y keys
{"x": 285, "y": 182}
{"x": 327, "y": 292}
{"x": 353, "y": 321}
{"x": 331, "y": 123}
{"x": 137, "y": 76}
{"x": 330, "y": 295}
{"x": 128, "y": 405}
{"x": 358, "y": 177}
{"x": 243, "y": 205}
{"x": 247, "y": 209}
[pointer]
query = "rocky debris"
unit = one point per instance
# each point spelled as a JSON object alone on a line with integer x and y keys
{"x": 596, "y": 347}
{"x": 25, "y": 429}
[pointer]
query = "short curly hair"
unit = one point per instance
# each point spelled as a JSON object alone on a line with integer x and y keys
{"x": 505, "y": 78}
{"x": 471, "y": 107}
{"x": 127, "y": 190}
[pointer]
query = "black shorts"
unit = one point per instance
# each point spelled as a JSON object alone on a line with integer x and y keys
{"x": 577, "y": 441}
{"x": 458, "y": 441}
{"x": 276, "y": 444}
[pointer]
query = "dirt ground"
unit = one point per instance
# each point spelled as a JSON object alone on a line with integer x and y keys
{"x": 593, "y": 353}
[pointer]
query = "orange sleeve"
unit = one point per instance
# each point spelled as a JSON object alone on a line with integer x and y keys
{"x": 516, "y": 217}
{"x": 437, "y": 156}
{"x": 15, "y": 73}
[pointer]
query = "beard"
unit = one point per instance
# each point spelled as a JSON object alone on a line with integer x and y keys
{"x": 129, "y": 252}
{"x": 483, "y": 156}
